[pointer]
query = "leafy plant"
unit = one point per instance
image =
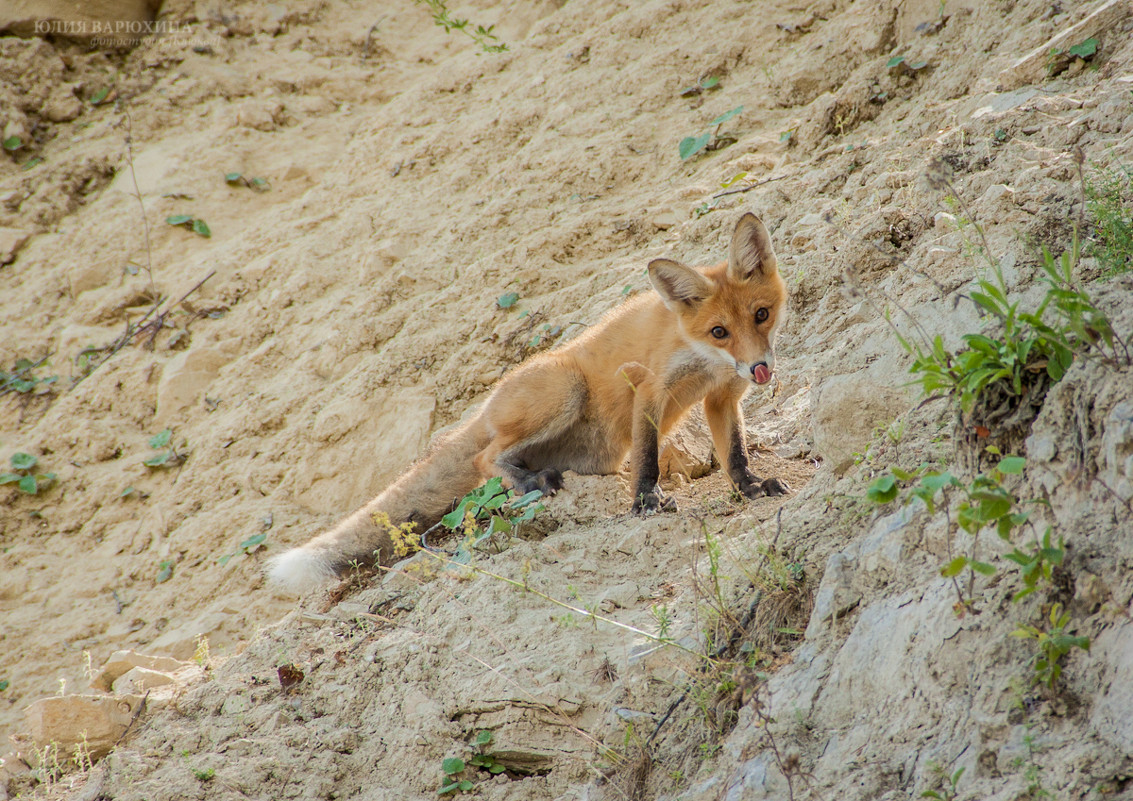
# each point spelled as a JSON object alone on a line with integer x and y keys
{"x": 947, "y": 793}
{"x": 1109, "y": 201}
{"x": 905, "y": 65}
{"x": 169, "y": 457}
{"x": 507, "y": 300}
{"x": 248, "y": 547}
{"x": 12, "y": 144}
{"x": 21, "y": 378}
{"x": 1052, "y": 642}
{"x": 709, "y": 140}
{"x": 489, "y": 510}
{"x": 194, "y": 224}
{"x": 23, "y": 474}
{"x": 453, "y": 767}
{"x": 1084, "y": 49}
{"x": 237, "y": 179}
{"x": 206, "y": 775}
{"x": 484, "y": 37}
{"x": 164, "y": 571}
{"x": 703, "y": 85}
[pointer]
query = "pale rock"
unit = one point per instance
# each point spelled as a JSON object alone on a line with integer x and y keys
{"x": 996, "y": 193}
{"x": 62, "y": 105}
{"x": 11, "y": 241}
{"x": 185, "y": 378}
{"x": 845, "y": 411}
{"x": 181, "y": 641}
{"x": 811, "y": 219}
{"x": 836, "y": 595}
{"x": 66, "y": 719}
{"x": 944, "y": 220}
{"x": 1110, "y": 716}
{"x": 1117, "y": 449}
{"x": 688, "y": 449}
{"x": 664, "y": 219}
{"x": 122, "y": 662}
{"x": 137, "y": 680}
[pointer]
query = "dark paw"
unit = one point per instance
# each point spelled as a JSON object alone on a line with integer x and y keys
{"x": 652, "y": 502}
{"x": 549, "y": 480}
{"x": 754, "y": 488}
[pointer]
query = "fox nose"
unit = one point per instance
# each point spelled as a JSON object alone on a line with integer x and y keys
{"x": 760, "y": 372}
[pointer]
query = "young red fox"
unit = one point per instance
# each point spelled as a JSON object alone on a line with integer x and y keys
{"x": 707, "y": 334}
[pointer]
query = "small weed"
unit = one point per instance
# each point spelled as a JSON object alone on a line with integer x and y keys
{"x": 947, "y": 790}
{"x": 194, "y": 224}
{"x": 904, "y": 66}
{"x": 1052, "y": 643}
{"x": 22, "y": 378}
{"x": 24, "y": 476}
{"x": 709, "y": 140}
{"x": 452, "y": 767}
{"x": 4, "y": 685}
{"x": 12, "y": 144}
{"x": 489, "y": 510}
{"x": 484, "y": 37}
{"x": 164, "y": 571}
{"x": 248, "y": 547}
{"x": 206, "y": 775}
{"x": 709, "y": 84}
{"x": 201, "y": 655}
{"x": 507, "y": 300}
{"x": 100, "y": 97}
{"x": 237, "y": 179}
{"x": 169, "y": 457}
{"x": 82, "y": 757}
{"x": 547, "y": 332}
{"x": 1108, "y": 200}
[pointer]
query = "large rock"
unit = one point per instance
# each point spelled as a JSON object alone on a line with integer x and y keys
{"x": 68, "y": 720}
{"x": 845, "y": 411}
{"x": 122, "y": 662}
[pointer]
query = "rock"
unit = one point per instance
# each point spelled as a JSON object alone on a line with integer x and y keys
{"x": 122, "y": 662}
{"x": 1036, "y": 65}
{"x": 836, "y": 595}
{"x": 181, "y": 641}
{"x": 11, "y": 241}
{"x": 63, "y": 106}
{"x": 845, "y": 410}
{"x": 67, "y": 719}
{"x": 664, "y": 219}
{"x": 137, "y": 680}
{"x": 997, "y": 193}
{"x": 811, "y": 219}
{"x": 688, "y": 449}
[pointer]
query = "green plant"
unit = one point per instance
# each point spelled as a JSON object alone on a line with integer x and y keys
{"x": 22, "y": 377}
{"x": 708, "y": 84}
{"x": 24, "y": 476}
{"x": 169, "y": 457}
{"x": 452, "y": 767}
{"x": 947, "y": 791}
{"x": 194, "y": 224}
{"x": 484, "y": 37}
{"x": 1108, "y": 193}
{"x": 237, "y": 179}
{"x": 206, "y": 775}
{"x": 4, "y": 685}
{"x": 164, "y": 571}
{"x": 1052, "y": 643}
{"x": 489, "y": 510}
{"x": 12, "y": 144}
{"x": 507, "y": 300}
{"x": 709, "y": 140}
{"x": 248, "y": 547}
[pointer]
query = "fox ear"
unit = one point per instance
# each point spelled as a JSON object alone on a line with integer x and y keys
{"x": 677, "y": 283}
{"x": 751, "y": 255}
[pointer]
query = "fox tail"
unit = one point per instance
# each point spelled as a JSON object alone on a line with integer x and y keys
{"x": 430, "y": 488}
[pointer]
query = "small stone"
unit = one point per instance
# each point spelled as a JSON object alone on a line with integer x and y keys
{"x": 122, "y": 662}
{"x": 137, "y": 680}
{"x": 11, "y": 241}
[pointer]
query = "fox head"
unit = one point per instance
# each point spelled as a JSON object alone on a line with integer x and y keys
{"x": 730, "y": 313}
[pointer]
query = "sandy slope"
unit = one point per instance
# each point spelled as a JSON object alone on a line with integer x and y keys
{"x": 351, "y": 312}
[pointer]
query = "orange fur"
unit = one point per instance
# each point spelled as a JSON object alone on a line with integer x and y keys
{"x": 705, "y": 335}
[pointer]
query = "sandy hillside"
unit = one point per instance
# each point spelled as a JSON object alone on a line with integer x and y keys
{"x": 395, "y": 182}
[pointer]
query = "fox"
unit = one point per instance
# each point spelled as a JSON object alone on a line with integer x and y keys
{"x": 703, "y": 335}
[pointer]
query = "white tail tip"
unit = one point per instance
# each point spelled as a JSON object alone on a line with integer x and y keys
{"x": 300, "y": 570}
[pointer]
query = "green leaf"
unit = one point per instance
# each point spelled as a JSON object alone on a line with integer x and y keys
{"x": 13, "y": 143}
{"x": 161, "y": 439}
{"x": 692, "y": 145}
{"x": 99, "y": 96}
{"x": 454, "y": 518}
{"x": 28, "y": 484}
{"x": 201, "y": 228}
{"x": 159, "y": 460}
{"x": 232, "y": 177}
{"x": 9, "y": 478}
{"x": 224, "y": 559}
{"x": 165, "y": 572}
{"x": 983, "y": 568}
{"x": 507, "y": 300}
{"x": 466, "y": 786}
{"x": 917, "y": 65}
{"x": 1012, "y": 465}
{"x": 4, "y": 685}
{"x": 710, "y": 83}
{"x": 452, "y": 765}
{"x": 126, "y": 493}
{"x": 955, "y": 567}
{"x": 34, "y": 161}
{"x": 727, "y": 115}
{"x": 448, "y": 788}
{"x": 882, "y": 489}
{"x": 483, "y": 738}
{"x": 179, "y": 219}
{"x": 525, "y": 500}
{"x": 893, "y": 62}
{"x": 496, "y": 769}
{"x": 23, "y": 461}
{"x": 253, "y": 541}
{"x": 1084, "y": 49}
{"x": 938, "y": 481}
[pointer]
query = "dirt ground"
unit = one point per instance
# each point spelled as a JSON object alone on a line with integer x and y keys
{"x": 393, "y": 183}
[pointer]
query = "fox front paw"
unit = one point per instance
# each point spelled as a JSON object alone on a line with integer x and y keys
{"x": 652, "y": 502}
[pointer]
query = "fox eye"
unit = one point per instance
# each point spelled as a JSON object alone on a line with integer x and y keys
{"x": 761, "y": 315}
{"x": 719, "y": 332}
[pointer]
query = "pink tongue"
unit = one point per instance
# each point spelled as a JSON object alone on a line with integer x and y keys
{"x": 762, "y": 374}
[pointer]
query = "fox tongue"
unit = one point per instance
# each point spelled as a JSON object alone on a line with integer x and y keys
{"x": 761, "y": 373}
